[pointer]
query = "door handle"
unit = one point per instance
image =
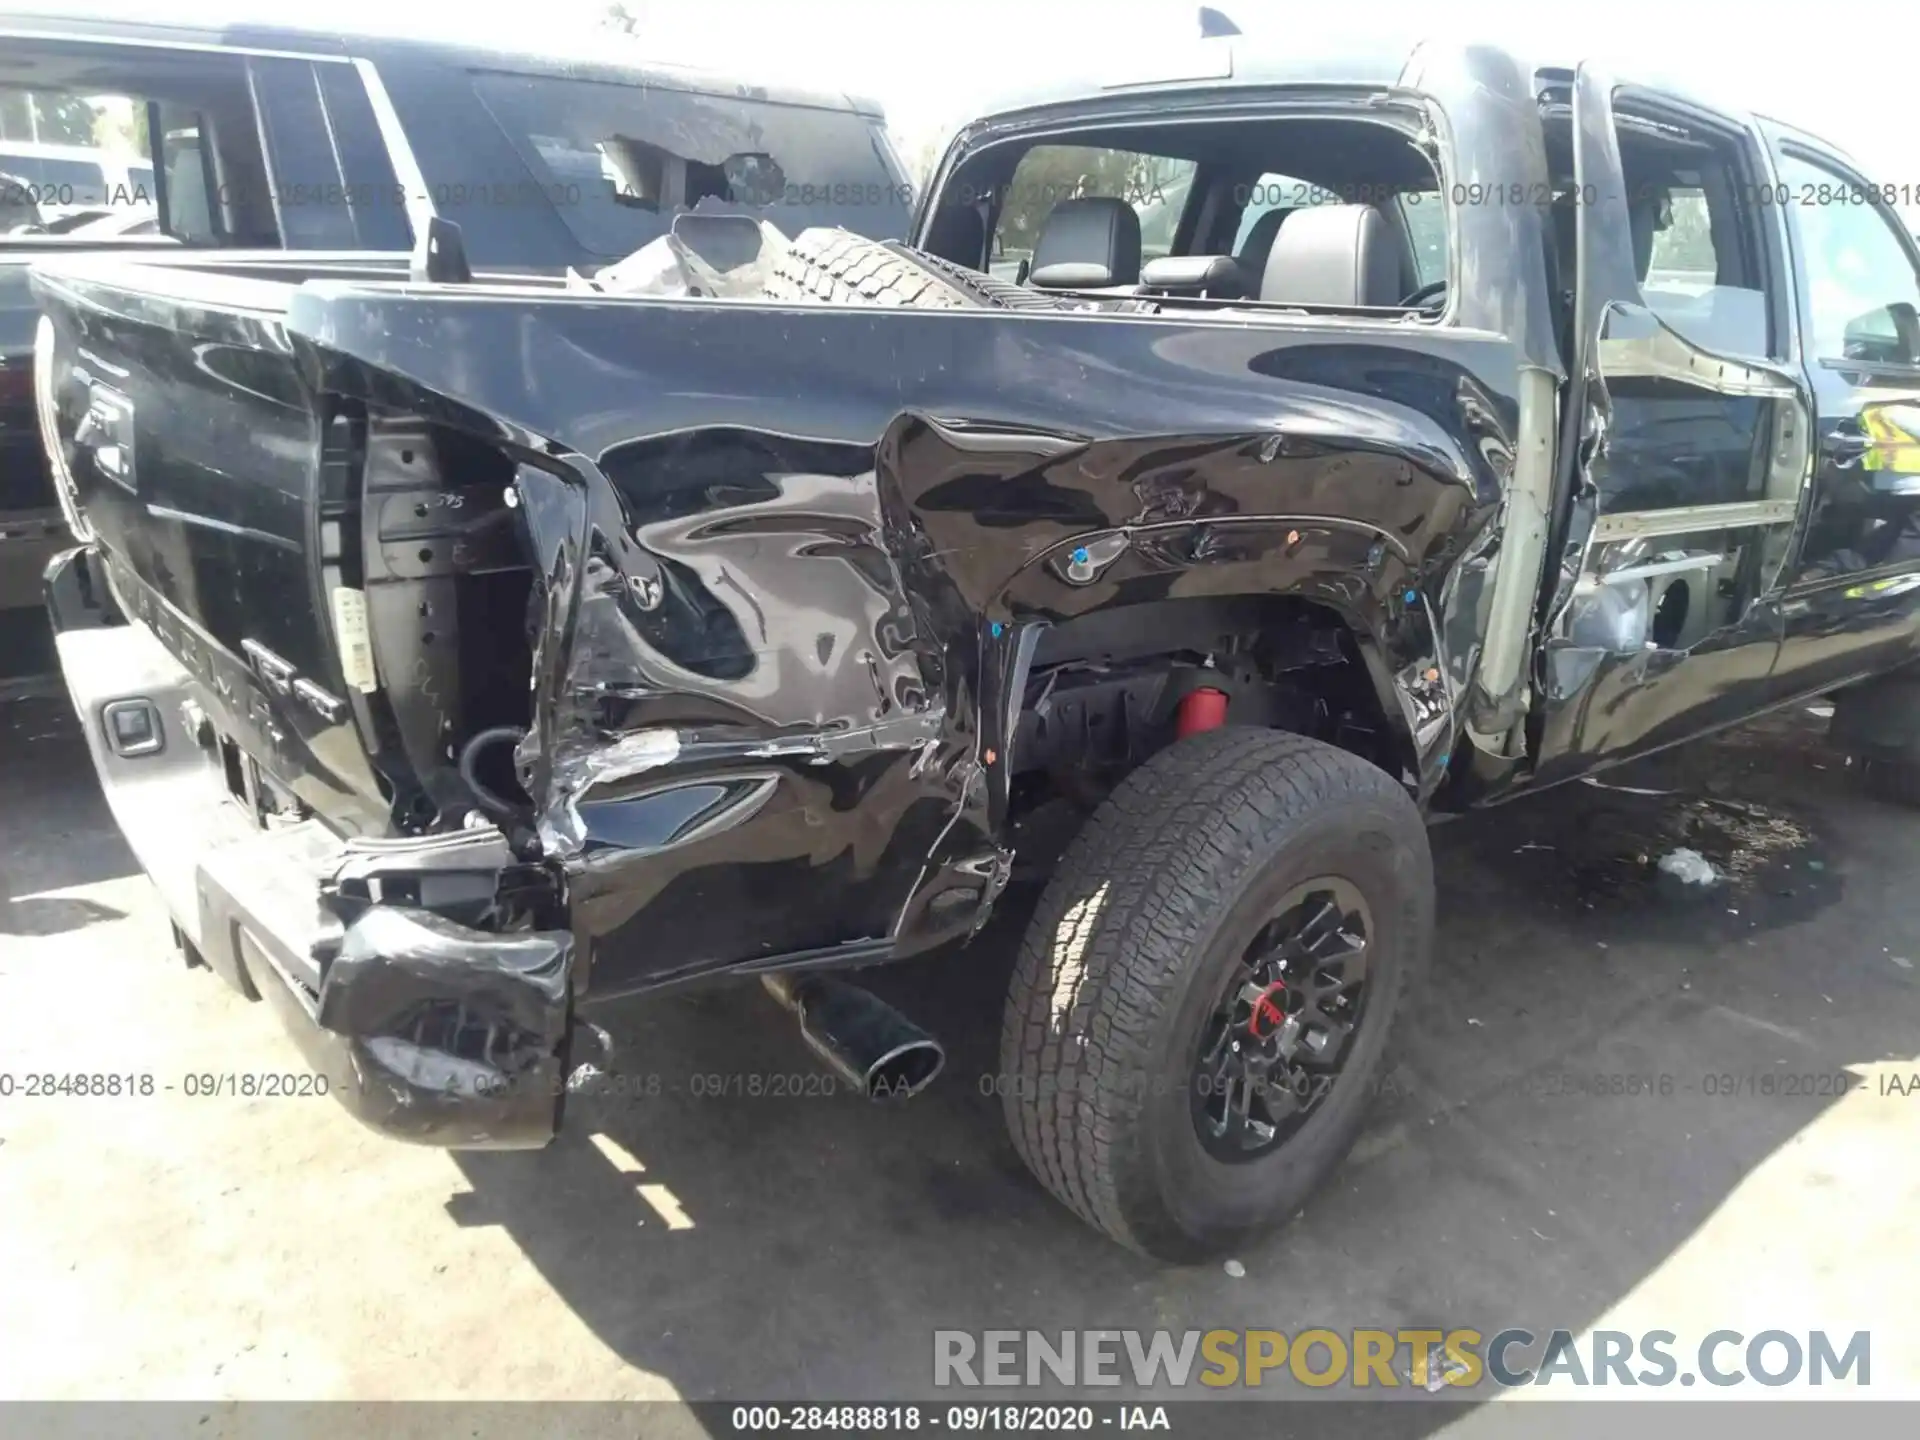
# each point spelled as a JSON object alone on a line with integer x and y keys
{"x": 105, "y": 433}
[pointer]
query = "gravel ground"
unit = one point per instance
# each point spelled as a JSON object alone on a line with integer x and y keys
{"x": 695, "y": 1246}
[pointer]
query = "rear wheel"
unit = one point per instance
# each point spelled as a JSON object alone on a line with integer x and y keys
{"x": 1203, "y": 1001}
{"x": 1877, "y": 724}
{"x": 1894, "y": 780}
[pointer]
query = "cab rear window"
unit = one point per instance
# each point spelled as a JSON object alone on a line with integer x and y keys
{"x": 620, "y": 162}
{"x": 1421, "y": 211}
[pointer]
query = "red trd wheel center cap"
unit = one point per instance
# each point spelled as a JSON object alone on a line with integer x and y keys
{"x": 1271, "y": 1008}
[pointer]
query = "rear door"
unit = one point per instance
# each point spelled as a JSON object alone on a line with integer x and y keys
{"x": 1851, "y": 603}
{"x": 1684, "y": 440}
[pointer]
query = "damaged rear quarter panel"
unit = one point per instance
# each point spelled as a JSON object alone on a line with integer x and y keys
{"x": 787, "y": 556}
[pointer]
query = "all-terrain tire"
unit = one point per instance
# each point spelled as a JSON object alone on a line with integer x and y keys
{"x": 1135, "y": 939}
{"x": 988, "y": 290}
{"x": 1874, "y": 723}
{"x": 839, "y": 267}
{"x": 1894, "y": 781}
{"x": 842, "y": 268}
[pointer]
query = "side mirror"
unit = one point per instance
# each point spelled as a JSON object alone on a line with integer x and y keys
{"x": 1889, "y": 335}
{"x": 1906, "y": 324}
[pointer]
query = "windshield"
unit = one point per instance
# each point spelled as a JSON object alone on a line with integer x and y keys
{"x": 620, "y": 162}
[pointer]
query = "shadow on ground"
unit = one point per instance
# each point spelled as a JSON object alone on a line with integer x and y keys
{"x": 78, "y": 845}
{"x": 784, "y": 1246}
{"x": 1570, "y": 1107}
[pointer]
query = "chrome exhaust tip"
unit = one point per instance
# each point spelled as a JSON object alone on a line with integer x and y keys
{"x": 863, "y": 1040}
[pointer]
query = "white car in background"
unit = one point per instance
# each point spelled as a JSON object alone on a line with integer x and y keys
{"x": 78, "y": 179}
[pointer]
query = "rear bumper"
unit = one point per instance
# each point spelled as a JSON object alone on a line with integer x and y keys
{"x": 428, "y": 1028}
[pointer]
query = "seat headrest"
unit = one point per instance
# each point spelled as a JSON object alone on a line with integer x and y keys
{"x": 1259, "y": 243}
{"x": 1088, "y": 244}
{"x": 958, "y": 234}
{"x": 189, "y": 215}
{"x": 1337, "y": 255}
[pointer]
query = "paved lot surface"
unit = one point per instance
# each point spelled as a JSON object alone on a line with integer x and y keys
{"x": 700, "y": 1246}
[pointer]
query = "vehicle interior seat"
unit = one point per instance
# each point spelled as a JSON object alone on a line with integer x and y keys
{"x": 1092, "y": 243}
{"x": 1258, "y": 246}
{"x": 1215, "y": 277}
{"x": 189, "y": 207}
{"x": 958, "y": 233}
{"x": 1347, "y": 255}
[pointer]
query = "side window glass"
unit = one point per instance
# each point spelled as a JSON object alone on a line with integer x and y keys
{"x": 309, "y": 199}
{"x": 1862, "y": 295}
{"x": 71, "y": 162}
{"x": 1695, "y": 250}
{"x": 1683, "y": 251}
{"x": 371, "y": 188}
{"x": 1426, "y": 220}
{"x": 130, "y": 142}
{"x": 333, "y": 184}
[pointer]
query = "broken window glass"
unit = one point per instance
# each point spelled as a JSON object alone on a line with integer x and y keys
{"x": 621, "y": 161}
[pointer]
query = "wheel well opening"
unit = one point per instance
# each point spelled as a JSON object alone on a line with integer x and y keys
{"x": 1102, "y": 691}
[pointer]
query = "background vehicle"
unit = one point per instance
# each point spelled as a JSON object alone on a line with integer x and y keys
{"x": 18, "y": 211}
{"x": 101, "y": 224}
{"x": 78, "y": 179}
{"x": 565, "y": 646}
{"x": 278, "y": 140}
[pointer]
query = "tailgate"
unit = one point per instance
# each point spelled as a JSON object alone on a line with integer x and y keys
{"x": 198, "y": 458}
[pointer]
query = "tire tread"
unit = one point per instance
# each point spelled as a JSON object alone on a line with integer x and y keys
{"x": 1173, "y": 842}
{"x": 842, "y": 268}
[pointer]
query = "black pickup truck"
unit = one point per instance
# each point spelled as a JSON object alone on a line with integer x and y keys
{"x": 270, "y": 142}
{"x": 457, "y": 655}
